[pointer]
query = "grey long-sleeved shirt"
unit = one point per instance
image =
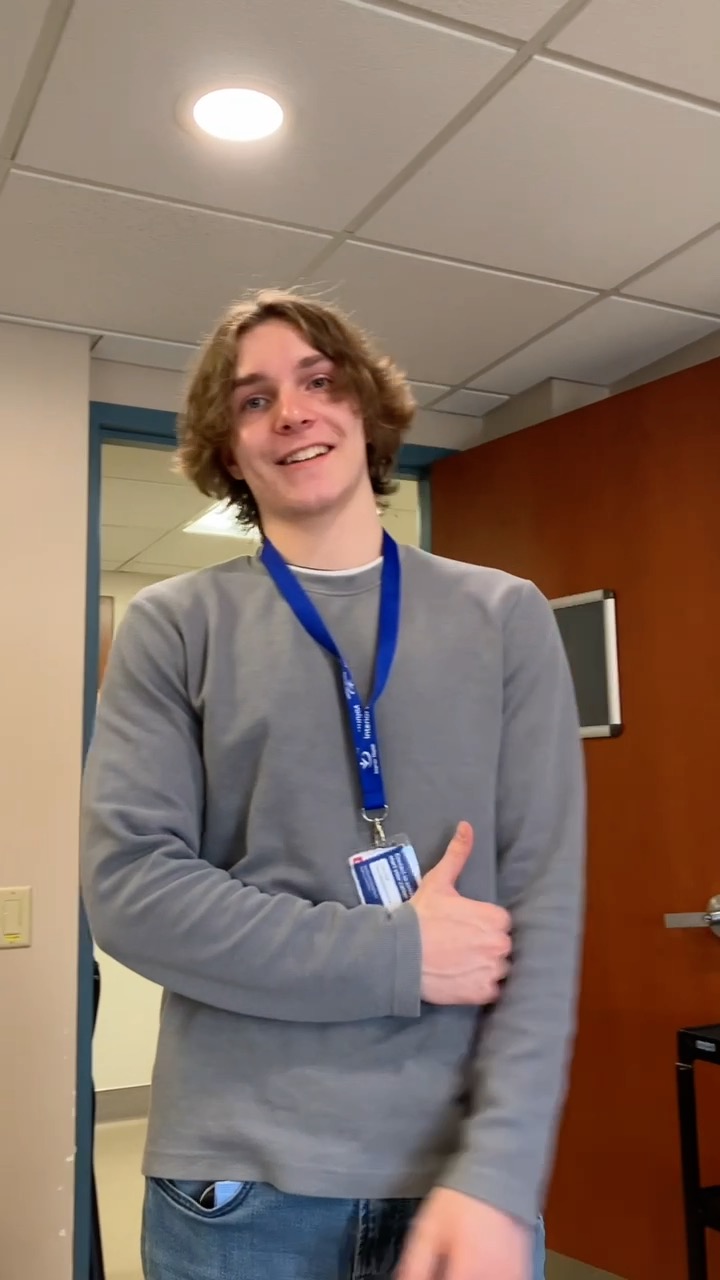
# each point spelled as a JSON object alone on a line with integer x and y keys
{"x": 220, "y": 809}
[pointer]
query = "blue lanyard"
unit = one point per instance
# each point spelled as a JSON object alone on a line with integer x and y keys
{"x": 363, "y": 726}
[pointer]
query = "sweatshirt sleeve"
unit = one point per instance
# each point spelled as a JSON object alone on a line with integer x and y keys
{"x": 525, "y": 1043}
{"x": 156, "y": 905}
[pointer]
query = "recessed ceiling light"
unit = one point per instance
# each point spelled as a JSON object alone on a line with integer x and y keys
{"x": 221, "y": 521}
{"x": 238, "y": 115}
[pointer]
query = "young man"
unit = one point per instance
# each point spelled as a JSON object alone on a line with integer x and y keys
{"x": 355, "y": 1077}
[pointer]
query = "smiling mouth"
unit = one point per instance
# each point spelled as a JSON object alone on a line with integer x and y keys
{"x": 305, "y": 455}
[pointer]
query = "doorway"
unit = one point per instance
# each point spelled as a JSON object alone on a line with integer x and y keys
{"x": 147, "y": 524}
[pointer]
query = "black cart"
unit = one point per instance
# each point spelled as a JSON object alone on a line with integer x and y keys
{"x": 702, "y": 1204}
{"x": 97, "y": 1265}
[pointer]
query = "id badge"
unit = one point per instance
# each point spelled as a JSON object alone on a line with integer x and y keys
{"x": 388, "y": 876}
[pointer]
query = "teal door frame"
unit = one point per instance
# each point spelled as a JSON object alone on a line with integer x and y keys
{"x": 123, "y": 424}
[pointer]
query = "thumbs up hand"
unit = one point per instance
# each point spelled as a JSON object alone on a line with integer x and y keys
{"x": 465, "y": 945}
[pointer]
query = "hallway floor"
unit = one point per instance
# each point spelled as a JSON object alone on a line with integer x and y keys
{"x": 120, "y": 1192}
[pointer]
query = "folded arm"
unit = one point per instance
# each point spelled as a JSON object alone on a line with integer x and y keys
{"x": 156, "y": 905}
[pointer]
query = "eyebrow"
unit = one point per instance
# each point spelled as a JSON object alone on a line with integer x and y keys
{"x": 250, "y": 379}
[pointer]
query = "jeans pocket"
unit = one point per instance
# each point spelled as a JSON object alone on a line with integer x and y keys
{"x": 191, "y": 1195}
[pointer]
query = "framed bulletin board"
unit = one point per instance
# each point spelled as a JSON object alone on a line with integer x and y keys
{"x": 588, "y": 628}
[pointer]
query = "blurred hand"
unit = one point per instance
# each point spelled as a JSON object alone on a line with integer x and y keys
{"x": 459, "y": 1238}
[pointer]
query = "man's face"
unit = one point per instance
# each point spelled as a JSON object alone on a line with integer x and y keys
{"x": 300, "y": 451}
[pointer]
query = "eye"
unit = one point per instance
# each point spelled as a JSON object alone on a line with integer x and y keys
{"x": 253, "y": 404}
{"x": 321, "y": 382}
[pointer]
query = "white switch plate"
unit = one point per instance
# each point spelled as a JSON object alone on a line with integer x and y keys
{"x": 15, "y": 917}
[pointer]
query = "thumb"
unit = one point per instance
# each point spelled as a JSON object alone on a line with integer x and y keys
{"x": 448, "y": 870}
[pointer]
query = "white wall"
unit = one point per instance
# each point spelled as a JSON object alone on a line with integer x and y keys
{"x": 44, "y": 387}
{"x": 707, "y": 348}
{"x": 127, "y": 1024}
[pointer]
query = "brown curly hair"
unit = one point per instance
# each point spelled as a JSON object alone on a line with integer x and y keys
{"x": 371, "y": 381}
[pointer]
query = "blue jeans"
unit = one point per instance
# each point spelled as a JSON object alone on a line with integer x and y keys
{"x": 263, "y": 1234}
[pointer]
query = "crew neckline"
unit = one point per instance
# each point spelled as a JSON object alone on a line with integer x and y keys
{"x": 336, "y": 573}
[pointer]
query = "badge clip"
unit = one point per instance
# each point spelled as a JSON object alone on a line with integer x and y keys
{"x": 376, "y": 821}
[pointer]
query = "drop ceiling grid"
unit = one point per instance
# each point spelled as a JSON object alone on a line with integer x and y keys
{"x": 679, "y": 48}
{"x": 580, "y": 31}
{"x": 319, "y": 170}
{"x": 565, "y": 201}
{"x": 517, "y": 21}
{"x": 21, "y": 30}
{"x": 137, "y": 505}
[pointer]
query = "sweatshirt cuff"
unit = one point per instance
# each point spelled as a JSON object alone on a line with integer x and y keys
{"x": 407, "y": 1001}
{"x": 493, "y": 1187}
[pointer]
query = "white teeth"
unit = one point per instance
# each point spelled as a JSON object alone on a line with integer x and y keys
{"x": 304, "y": 455}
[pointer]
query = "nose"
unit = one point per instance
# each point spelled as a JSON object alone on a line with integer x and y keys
{"x": 293, "y": 411}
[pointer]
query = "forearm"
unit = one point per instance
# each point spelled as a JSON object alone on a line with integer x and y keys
{"x": 201, "y": 933}
{"x": 525, "y": 1044}
{"x": 521, "y": 1067}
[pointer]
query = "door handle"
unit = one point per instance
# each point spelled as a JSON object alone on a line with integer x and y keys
{"x": 707, "y": 919}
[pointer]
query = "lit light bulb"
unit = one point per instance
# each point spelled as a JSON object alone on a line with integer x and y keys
{"x": 238, "y": 115}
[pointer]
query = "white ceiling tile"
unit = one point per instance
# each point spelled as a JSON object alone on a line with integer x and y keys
{"x": 692, "y": 279}
{"x": 150, "y": 570}
{"x": 109, "y": 566}
{"x": 333, "y": 64}
{"x": 520, "y": 18}
{"x": 121, "y": 543}
{"x": 402, "y": 521}
{"x": 439, "y": 320}
{"x": 109, "y": 261}
{"x": 133, "y": 462}
{"x": 113, "y": 586}
{"x": 673, "y": 42}
{"x": 472, "y": 403}
{"x": 601, "y": 346}
{"x": 21, "y": 24}
{"x": 197, "y": 551}
{"x": 137, "y": 504}
{"x": 445, "y": 430}
{"x": 538, "y": 182}
{"x": 174, "y": 356}
{"x": 426, "y": 391}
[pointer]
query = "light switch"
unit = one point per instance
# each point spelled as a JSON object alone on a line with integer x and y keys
{"x": 11, "y": 920}
{"x": 15, "y": 917}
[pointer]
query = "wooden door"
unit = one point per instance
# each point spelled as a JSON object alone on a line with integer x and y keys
{"x": 625, "y": 495}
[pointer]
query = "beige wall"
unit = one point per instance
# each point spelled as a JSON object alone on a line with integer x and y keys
{"x": 134, "y": 384}
{"x": 44, "y": 388}
{"x": 123, "y": 587}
